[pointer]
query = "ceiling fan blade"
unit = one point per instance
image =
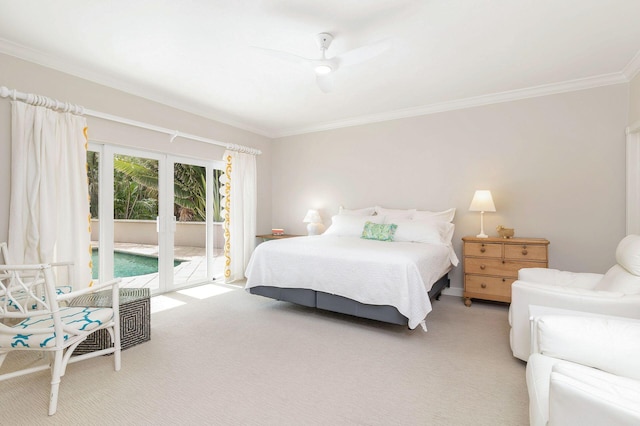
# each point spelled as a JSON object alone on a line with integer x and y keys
{"x": 364, "y": 53}
{"x": 325, "y": 82}
{"x": 286, "y": 56}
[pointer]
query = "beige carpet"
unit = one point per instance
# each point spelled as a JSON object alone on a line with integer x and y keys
{"x": 239, "y": 359}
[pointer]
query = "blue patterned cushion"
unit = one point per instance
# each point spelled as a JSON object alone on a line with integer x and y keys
{"x": 379, "y": 231}
{"x": 74, "y": 318}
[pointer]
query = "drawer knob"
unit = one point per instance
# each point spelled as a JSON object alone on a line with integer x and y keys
{"x": 524, "y": 252}
{"x": 483, "y": 285}
{"x": 482, "y": 249}
{"x": 504, "y": 280}
{"x": 483, "y": 266}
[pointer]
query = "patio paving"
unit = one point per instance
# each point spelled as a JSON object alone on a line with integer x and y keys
{"x": 192, "y": 270}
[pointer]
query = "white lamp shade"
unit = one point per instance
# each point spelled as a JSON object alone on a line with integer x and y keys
{"x": 312, "y": 217}
{"x": 482, "y": 202}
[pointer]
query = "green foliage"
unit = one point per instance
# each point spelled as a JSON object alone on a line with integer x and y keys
{"x": 93, "y": 179}
{"x": 190, "y": 192}
{"x": 136, "y": 189}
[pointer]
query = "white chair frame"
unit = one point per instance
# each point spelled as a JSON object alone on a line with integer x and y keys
{"x": 30, "y": 297}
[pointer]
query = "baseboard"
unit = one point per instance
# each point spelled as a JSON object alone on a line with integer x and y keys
{"x": 453, "y": 291}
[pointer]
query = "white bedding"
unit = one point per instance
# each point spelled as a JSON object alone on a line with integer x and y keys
{"x": 399, "y": 274}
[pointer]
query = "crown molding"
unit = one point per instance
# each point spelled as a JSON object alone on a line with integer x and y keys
{"x": 632, "y": 67}
{"x": 512, "y": 95}
{"x": 68, "y": 67}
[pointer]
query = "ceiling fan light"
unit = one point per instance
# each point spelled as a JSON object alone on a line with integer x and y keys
{"x": 323, "y": 69}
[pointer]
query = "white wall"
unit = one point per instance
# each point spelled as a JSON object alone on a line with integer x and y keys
{"x": 555, "y": 166}
{"x": 31, "y": 78}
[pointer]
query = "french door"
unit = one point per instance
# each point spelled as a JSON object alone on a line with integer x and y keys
{"x": 155, "y": 218}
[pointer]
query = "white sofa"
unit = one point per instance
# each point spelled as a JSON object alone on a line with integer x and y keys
{"x": 584, "y": 371}
{"x": 615, "y": 293}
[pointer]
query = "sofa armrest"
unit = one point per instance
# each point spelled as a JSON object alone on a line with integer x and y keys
{"x": 556, "y": 277}
{"x": 611, "y": 344}
{"x": 586, "y": 396}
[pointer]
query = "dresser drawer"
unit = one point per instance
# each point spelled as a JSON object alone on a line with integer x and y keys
{"x": 494, "y": 286}
{"x": 492, "y": 267}
{"x": 525, "y": 252}
{"x": 483, "y": 249}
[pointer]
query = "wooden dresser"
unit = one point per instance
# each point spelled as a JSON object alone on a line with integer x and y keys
{"x": 491, "y": 265}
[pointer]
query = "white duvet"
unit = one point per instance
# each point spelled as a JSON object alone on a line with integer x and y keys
{"x": 399, "y": 274}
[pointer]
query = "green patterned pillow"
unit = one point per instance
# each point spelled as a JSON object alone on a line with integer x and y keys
{"x": 379, "y": 231}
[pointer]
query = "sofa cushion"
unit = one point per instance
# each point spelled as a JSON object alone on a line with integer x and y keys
{"x": 618, "y": 279}
{"x": 611, "y": 345}
{"x": 583, "y": 395}
{"x": 628, "y": 254}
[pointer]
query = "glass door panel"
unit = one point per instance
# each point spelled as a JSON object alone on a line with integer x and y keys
{"x": 135, "y": 226}
{"x": 190, "y": 218}
{"x": 197, "y": 239}
{"x": 215, "y": 254}
{"x": 93, "y": 178}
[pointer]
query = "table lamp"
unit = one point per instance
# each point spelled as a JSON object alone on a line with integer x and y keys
{"x": 482, "y": 202}
{"x": 315, "y": 226}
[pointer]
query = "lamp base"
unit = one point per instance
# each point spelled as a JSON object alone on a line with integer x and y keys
{"x": 482, "y": 236}
{"x": 315, "y": 229}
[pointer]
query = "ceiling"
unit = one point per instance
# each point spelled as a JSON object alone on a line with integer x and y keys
{"x": 201, "y": 56}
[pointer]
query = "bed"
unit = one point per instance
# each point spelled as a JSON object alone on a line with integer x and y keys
{"x": 392, "y": 280}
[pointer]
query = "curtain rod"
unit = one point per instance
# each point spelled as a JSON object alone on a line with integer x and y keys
{"x": 54, "y": 104}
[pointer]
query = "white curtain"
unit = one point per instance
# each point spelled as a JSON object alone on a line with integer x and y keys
{"x": 49, "y": 218}
{"x": 239, "y": 191}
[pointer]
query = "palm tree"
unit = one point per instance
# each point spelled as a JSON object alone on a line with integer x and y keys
{"x": 135, "y": 188}
{"x": 190, "y": 192}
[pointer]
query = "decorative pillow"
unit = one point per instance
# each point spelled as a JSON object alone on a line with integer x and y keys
{"x": 628, "y": 254}
{"x": 445, "y": 215}
{"x": 619, "y": 279}
{"x": 379, "y": 231}
{"x": 345, "y": 225}
{"x": 392, "y": 214}
{"x": 367, "y": 211}
{"x": 424, "y": 231}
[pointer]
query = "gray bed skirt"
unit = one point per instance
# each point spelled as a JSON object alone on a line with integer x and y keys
{"x": 343, "y": 305}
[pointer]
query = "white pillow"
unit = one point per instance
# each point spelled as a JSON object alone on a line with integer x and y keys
{"x": 345, "y": 225}
{"x": 628, "y": 254}
{"x": 392, "y": 214}
{"x": 367, "y": 211}
{"x": 445, "y": 215}
{"x": 432, "y": 232}
{"x": 619, "y": 279}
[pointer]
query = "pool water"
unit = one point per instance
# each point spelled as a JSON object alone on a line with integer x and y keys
{"x": 128, "y": 264}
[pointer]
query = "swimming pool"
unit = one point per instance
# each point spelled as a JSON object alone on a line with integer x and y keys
{"x": 128, "y": 264}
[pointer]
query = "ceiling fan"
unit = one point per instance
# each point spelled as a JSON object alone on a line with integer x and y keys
{"x": 324, "y": 67}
